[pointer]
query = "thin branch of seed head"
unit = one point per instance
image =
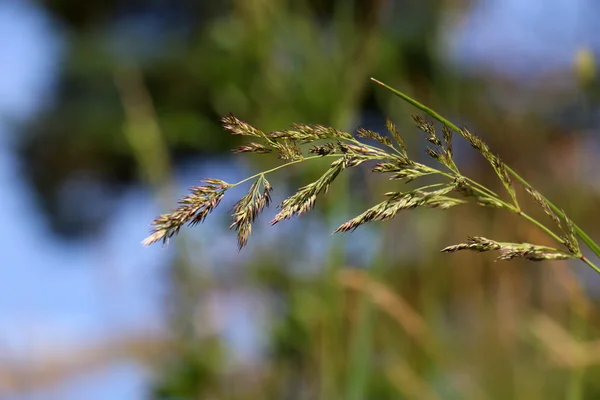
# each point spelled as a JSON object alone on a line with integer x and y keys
{"x": 482, "y": 187}
{"x": 545, "y": 229}
{"x": 391, "y": 146}
{"x": 399, "y": 154}
{"x": 353, "y": 140}
{"x": 281, "y": 167}
{"x": 433, "y": 185}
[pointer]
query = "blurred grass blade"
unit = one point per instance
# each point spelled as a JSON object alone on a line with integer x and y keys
{"x": 360, "y": 363}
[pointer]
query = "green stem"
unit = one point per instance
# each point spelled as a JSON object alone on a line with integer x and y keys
{"x": 591, "y": 264}
{"x": 420, "y": 106}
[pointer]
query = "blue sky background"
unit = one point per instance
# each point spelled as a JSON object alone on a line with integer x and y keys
{"x": 55, "y": 294}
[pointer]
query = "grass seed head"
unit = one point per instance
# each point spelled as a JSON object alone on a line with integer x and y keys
{"x": 509, "y": 251}
{"x": 193, "y": 209}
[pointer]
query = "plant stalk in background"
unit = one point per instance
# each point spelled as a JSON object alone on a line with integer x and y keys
{"x": 391, "y": 158}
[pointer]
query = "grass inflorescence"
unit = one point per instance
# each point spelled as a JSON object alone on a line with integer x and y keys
{"x": 302, "y": 143}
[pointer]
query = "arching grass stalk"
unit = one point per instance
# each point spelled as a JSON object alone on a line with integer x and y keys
{"x": 593, "y": 246}
{"x": 303, "y": 143}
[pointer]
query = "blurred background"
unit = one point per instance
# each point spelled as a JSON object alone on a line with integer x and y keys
{"x": 109, "y": 112}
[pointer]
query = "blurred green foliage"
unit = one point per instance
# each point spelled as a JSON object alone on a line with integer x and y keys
{"x": 434, "y": 326}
